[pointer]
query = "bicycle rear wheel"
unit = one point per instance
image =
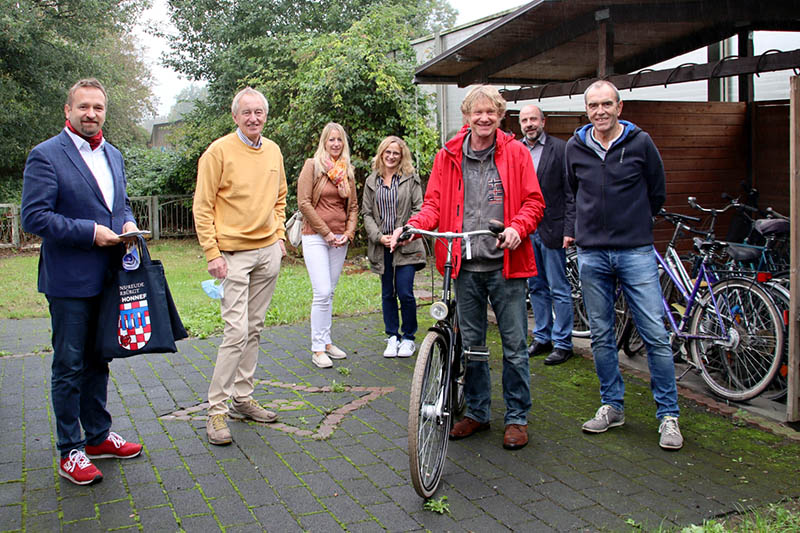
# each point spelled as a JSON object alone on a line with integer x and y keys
{"x": 776, "y": 390}
{"x": 428, "y": 415}
{"x": 742, "y": 365}
{"x": 580, "y": 323}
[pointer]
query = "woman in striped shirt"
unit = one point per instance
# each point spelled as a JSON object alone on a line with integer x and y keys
{"x": 392, "y": 193}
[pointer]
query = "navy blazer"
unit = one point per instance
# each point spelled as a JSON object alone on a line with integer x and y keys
{"x": 61, "y": 202}
{"x": 559, "y": 201}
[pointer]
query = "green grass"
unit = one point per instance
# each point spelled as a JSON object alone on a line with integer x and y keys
{"x": 358, "y": 290}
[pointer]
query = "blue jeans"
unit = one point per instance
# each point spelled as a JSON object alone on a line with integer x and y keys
{"x": 507, "y": 296}
{"x": 549, "y": 291}
{"x": 636, "y": 270}
{"x": 79, "y": 385}
{"x": 397, "y": 283}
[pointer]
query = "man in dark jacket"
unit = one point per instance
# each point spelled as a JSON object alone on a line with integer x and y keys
{"x": 617, "y": 174}
{"x": 549, "y": 290}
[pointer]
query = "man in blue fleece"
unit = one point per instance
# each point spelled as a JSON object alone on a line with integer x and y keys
{"x": 617, "y": 175}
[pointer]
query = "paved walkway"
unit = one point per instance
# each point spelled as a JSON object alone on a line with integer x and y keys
{"x": 338, "y": 460}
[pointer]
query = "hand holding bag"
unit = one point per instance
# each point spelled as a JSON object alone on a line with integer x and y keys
{"x": 294, "y": 229}
{"x": 137, "y": 313}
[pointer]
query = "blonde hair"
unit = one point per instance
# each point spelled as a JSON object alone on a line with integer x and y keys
{"x": 489, "y": 92}
{"x": 92, "y": 83}
{"x": 406, "y": 165}
{"x": 321, "y": 154}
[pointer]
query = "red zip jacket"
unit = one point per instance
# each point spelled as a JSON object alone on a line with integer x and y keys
{"x": 523, "y": 204}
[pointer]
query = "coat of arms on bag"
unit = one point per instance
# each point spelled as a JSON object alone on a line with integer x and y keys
{"x": 134, "y": 316}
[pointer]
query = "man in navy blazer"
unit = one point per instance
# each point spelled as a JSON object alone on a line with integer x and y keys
{"x": 74, "y": 198}
{"x": 549, "y": 290}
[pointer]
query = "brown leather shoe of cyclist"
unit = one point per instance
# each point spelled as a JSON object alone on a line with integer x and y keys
{"x": 516, "y": 437}
{"x": 466, "y": 427}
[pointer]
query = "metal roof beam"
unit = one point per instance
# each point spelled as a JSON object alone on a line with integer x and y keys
{"x": 722, "y": 69}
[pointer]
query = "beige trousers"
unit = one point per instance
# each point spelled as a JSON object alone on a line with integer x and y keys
{"x": 248, "y": 289}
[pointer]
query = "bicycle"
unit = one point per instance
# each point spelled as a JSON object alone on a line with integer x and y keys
{"x": 437, "y": 385}
{"x": 734, "y": 330}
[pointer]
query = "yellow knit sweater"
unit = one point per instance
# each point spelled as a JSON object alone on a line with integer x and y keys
{"x": 240, "y": 200}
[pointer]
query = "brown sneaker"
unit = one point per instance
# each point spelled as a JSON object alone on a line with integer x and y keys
{"x": 516, "y": 437}
{"x": 252, "y": 410}
{"x": 217, "y": 430}
{"x": 466, "y": 427}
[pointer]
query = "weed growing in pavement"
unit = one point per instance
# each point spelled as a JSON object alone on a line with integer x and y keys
{"x": 337, "y": 387}
{"x": 303, "y": 420}
{"x": 437, "y": 506}
{"x": 4, "y": 353}
{"x": 343, "y": 370}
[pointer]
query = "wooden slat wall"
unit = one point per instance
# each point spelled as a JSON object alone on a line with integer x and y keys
{"x": 771, "y": 157}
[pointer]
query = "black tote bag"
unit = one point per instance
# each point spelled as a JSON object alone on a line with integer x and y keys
{"x": 137, "y": 314}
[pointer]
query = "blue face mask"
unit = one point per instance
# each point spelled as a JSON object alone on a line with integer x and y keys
{"x": 212, "y": 289}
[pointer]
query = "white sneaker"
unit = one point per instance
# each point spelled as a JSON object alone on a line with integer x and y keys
{"x": 321, "y": 359}
{"x": 391, "y": 347}
{"x": 407, "y": 348}
{"x": 334, "y": 352}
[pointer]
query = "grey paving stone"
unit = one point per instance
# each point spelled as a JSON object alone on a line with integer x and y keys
{"x": 322, "y": 484}
{"x": 566, "y": 497}
{"x": 299, "y": 500}
{"x": 188, "y": 502}
{"x": 215, "y": 485}
{"x": 319, "y": 522}
{"x": 364, "y": 491}
{"x": 270, "y": 515}
{"x": 555, "y": 516}
{"x": 138, "y": 472}
{"x": 10, "y": 472}
{"x": 42, "y": 522}
{"x": 359, "y": 455}
{"x": 257, "y": 492}
{"x": 116, "y": 514}
{"x": 11, "y": 517}
{"x": 365, "y": 526}
{"x": 37, "y": 501}
{"x": 147, "y": 495}
{"x": 382, "y": 475}
{"x": 204, "y": 522}
{"x": 392, "y": 517}
{"x": 78, "y": 507}
{"x": 83, "y": 526}
{"x": 231, "y": 510}
{"x": 470, "y": 486}
{"x": 482, "y": 523}
{"x": 176, "y": 478}
{"x": 345, "y": 509}
{"x": 10, "y": 493}
{"x": 340, "y": 468}
{"x": 113, "y": 486}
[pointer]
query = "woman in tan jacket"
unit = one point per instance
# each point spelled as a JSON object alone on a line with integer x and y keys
{"x": 326, "y": 195}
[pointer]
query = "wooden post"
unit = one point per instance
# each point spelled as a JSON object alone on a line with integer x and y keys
{"x": 793, "y": 393}
{"x": 605, "y": 43}
{"x": 16, "y": 227}
{"x": 155, "y": 218}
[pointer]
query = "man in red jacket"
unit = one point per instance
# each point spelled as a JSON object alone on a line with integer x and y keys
{"x": 481, "y": 174}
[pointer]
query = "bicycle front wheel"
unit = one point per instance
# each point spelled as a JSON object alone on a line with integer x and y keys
{"x": 738, "y": 365}
{"x": 428, "y": 415}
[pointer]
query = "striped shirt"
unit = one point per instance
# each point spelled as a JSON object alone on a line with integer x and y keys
{"x": 386, "y": 198}
{"x": 247, "y": 141}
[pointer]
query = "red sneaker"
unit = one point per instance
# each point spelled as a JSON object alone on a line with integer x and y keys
{"x": 114, "y": 447}
{"x": 79, "y": 469}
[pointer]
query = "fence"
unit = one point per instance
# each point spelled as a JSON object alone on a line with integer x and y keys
{"x": 163, "y": 216}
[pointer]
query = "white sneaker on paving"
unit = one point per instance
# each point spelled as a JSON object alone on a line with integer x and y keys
{"x": 407, "y": 348}
{"x": 250, "y": 408}
{"x": 671, "y": 438}
{"x": 321, "y": 359}
{"x": 605, "y": 418}
{"x": 217, "y": 430}
{"x": 391, "y": 347}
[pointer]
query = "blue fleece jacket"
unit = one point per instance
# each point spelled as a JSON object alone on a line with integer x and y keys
{"x": 615, "y": 198}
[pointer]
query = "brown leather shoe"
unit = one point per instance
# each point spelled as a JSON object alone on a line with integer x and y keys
{"x": 516, "y": 437}
{"x": 466, "y": 427}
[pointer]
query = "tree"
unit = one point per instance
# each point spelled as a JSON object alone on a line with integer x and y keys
{"x": 47, "y": 45}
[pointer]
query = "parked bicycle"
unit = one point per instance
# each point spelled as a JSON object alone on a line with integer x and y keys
{"x": 437, "y": 386}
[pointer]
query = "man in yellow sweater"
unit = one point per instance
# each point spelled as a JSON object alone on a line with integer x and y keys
{"x": 239, "y": 213}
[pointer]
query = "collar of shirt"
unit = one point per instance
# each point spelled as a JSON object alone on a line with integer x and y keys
{"x": 541, "y": 140}
{"x": 478, "y": 155}
{"x": 82, "y": 144}
{"x": 247, "y": 141}
{"x": 611, "y": 142}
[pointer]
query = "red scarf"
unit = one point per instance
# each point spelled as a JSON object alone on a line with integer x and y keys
{"x": 94, "y": 141}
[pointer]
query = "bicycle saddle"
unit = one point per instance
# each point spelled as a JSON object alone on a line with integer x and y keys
{"x": 771, "y": 226}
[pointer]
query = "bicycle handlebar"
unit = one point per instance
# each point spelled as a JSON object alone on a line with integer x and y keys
{"x": 678, "y": 216}
{"x": 496, "y": 229}
{"x": 693, "y": 203}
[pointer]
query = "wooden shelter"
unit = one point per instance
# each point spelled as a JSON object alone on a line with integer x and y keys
{"x": 559, "y": 47}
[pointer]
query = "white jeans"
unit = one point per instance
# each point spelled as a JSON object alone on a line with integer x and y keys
{"x": 324, "y": 264}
